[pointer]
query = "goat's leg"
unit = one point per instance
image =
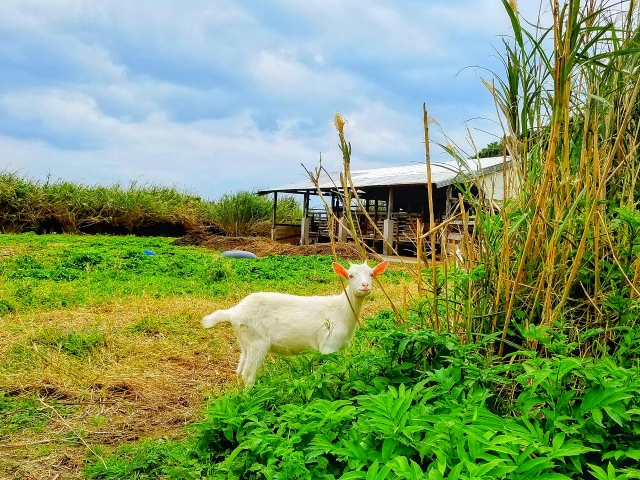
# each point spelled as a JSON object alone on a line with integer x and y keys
{"x": 241, "y": 336}
{"x": 253, "y": 360}
{"x": 241, "y": 362}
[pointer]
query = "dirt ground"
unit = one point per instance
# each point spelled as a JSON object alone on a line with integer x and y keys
{"x": 263, "y": 246}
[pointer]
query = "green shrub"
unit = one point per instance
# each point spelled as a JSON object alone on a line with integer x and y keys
{"x": 246, "y": 213}
{"x": 243, "y": 213}
{"x": 289, "y": 210}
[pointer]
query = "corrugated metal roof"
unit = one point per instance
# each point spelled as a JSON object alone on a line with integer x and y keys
{"x": 442, "y": 174}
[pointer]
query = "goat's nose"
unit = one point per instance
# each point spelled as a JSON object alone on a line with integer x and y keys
{"x": 365, "y": 284}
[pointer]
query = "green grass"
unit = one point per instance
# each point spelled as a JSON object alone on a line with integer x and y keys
{"x": 78, "y": 344}
{"x": 37, "y": 347}
{"x": 18, "y": 414}
{"x": 68, "y": 271}
{"x": 65, "y": 271}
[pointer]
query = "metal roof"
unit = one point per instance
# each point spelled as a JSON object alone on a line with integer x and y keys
{"x": 442, "y": 174}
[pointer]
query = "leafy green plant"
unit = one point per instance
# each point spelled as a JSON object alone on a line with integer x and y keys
{"x": 418, "y": 405}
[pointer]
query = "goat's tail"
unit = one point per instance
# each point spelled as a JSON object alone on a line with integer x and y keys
{"x": 216, "y": 317}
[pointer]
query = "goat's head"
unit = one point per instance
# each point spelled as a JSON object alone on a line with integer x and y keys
{"x": 360, "y": 276}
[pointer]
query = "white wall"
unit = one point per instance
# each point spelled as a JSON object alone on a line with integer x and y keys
{"x": 494, "y": 186}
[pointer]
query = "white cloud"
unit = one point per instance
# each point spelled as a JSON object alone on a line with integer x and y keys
{"x": 99, "y": 61}
{"x": 286, "y": 76}
{"x": 280, "y": 73}
{"x": 206, "y": 155}
{"x": 377, "y": 131}
{"x": 262, "y": 91}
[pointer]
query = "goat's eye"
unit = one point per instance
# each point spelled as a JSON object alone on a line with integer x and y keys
{"x": 350, "y": 276}
{"x": 371, "y": 274}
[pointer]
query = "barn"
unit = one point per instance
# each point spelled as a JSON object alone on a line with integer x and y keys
{"x": 395, "y": 198}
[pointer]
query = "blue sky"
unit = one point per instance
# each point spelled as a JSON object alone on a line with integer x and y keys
{"x": 217, "y": 96}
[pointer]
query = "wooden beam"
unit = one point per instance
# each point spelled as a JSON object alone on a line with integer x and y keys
{"x": 366, "y": 223}
{"x": 390, "y": 203}
{"x": 275, "y": 209}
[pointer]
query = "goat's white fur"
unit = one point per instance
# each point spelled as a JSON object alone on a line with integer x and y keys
{"x": 288, "y": 324}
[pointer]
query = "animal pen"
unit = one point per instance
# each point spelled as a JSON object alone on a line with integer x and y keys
{"x": 397, "y": 201}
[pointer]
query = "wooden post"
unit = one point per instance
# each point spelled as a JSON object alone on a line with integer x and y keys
{"x": 305, "y": 224}
{"x": 305, "y": 206}
{"x": 343, "y": 233}
{"x": 375, "y": 218}
{"x": 387, "y": 247}
{"x": 387, "y": 231}
{"x": 275, "y": 211}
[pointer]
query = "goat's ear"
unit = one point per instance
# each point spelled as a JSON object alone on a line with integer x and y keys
{"x": 340, "y": 270}
{"x": 380, "y": 268}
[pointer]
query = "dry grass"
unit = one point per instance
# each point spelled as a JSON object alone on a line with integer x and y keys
{"x": 149, "y": 383}
{"x": 137, "y": 385}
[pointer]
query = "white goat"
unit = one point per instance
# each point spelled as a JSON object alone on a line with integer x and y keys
{"x": 288, "y": 324}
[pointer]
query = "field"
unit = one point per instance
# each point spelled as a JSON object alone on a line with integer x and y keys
{"x": 518, "y": 360}
{"x": 101, "y": 344}
{"x": 105, "y": 372}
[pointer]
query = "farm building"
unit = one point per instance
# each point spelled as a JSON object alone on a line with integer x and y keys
{"x": 396, "y": 198}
